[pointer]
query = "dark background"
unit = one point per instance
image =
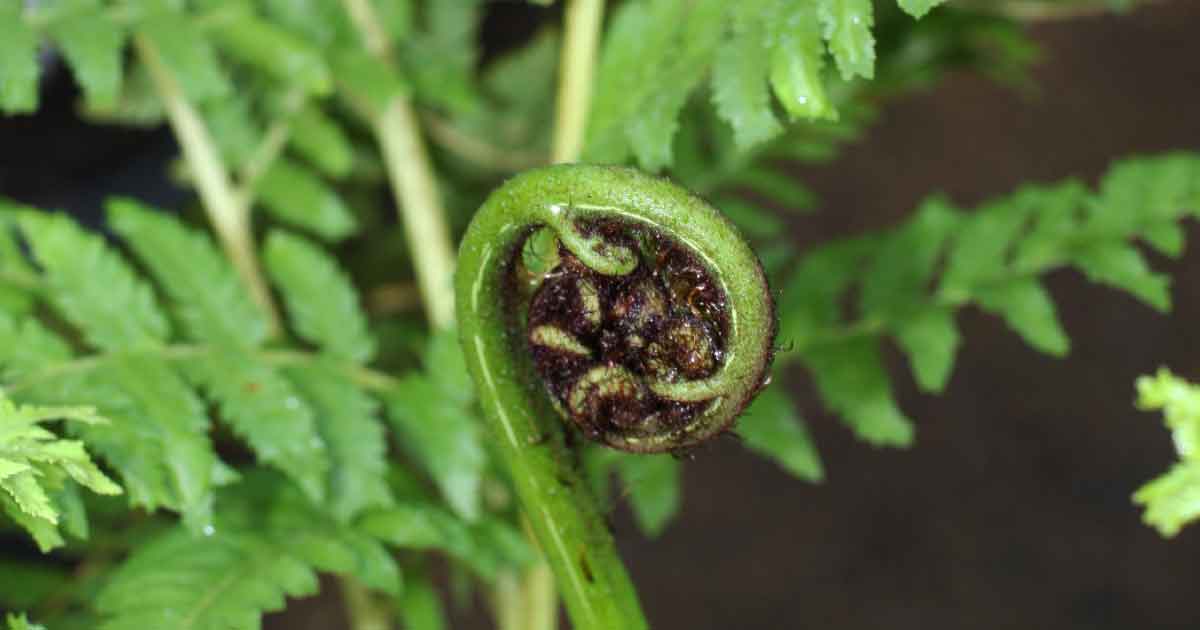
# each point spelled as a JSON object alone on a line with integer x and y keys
{"x": 1013, "y": 509}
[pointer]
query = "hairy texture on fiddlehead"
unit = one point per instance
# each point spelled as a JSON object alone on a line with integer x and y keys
{"x": 652, "y": 329}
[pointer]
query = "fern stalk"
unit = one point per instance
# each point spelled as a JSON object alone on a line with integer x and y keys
{"x": 575, "y": 70}
{"x": 411, "y": 175}
{"x": 228, "y": 215}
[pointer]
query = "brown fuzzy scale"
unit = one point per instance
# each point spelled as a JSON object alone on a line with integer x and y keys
{"x": 664, "y": 322}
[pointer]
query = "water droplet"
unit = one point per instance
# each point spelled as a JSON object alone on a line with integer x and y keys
{"x": 292, "y": 402}
{"x": 803, "y": 100}
{"x": 209, "y": 530}
{"x": 856, "y": 19}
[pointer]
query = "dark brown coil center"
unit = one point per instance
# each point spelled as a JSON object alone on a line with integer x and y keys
{"x": 601, "y": 342}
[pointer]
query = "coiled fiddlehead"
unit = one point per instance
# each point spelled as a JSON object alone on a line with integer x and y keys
{"x": 651, "y": 334}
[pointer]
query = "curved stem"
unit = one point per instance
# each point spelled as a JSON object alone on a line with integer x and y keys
{"x": 226, "y": 212}
{"x": 558, "y": 503}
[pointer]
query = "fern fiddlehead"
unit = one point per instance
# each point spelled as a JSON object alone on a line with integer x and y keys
{"x": 651, "y": 332}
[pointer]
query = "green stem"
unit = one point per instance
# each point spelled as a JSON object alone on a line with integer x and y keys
{"x": 364, "y": 612}
{"x": 575, "y": 70}
{"x": 365, "y": 377}
{"x": 229, "y": 217}
{"x": 413, "y": 183}
{"x": 420, "y": 207}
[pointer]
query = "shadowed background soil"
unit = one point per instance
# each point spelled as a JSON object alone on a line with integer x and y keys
{"x": 1013, "y": 509}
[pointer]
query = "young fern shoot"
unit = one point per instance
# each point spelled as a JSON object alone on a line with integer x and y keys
{"x": 652, "y": 334}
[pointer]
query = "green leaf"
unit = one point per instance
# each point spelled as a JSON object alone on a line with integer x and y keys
{"x": 265, "y": 410}
{"x": 771, "y": 428}
{"x": 294, "y": 195}
{"x": 1027, "y": 308}
{"x": 158, "y": 437}
{"x": 444, "y": 436}
{"x": 797, "y": 57}
{"x": 270, "y": 506}
{"x": 930, "y": 339}
{"x": 224, "y": 581}
{"x": 18, "y": 62}
{"x": 981, "y": 246}
{"x": 420, "y": 604}
{"x": 1056, "y": 218}
{"x": 186, "y": 52}
{"x": 45, "y": 534}
{"x": 26, "y": 582}
{"x": 441, "y": 57}
{"x": 206, "y": 294}
{"x": 321, "y": 140}
{"x": 447, "y": 368}
{"x": 903, "y": 266}
{"x": 654, "y": 486}
{"x": 654, "y": 56}
{"x": 369, "y": 84}
{"x": 1172, "y": 500}
{"x": 27, "y": 347}
{"x": 273, "y": 51}
{"x": 740, "y": 90}
{"x": 918, "y": 8}
{"x": 356, "y": 445}
{"x": 810, "y": 303}
{"x": 486, "y": 547}
{"x": 234, "y": 129}
{"x": 783, "y": 189}
{"x": 92, "y": 286}
{"x": 322, "y": 302}
{"x": 20, "y": 622}
{"x": 35, "y": 464}
{"x": 755, "y": 221}
{"x": 1123, "y": 267}
{"x": 267, "y": 545}
{"x": 847, "y": 28}
{"x": 92, "y": 43}
{"x": 850, "y": 377}
{"x": 655, "y": 123}
{"x": 1179, "y": 401}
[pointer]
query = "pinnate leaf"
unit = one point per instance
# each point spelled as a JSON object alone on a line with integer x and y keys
{"x": 92, "y": 286}
{"x": 93, "y": 43}
{"x": 321, "y": 301}
{"x": 18, "y": 62}
{"x": 1172, "y": 500}
{"x": 205, "y": 293}
{"x": 772, "y": 428}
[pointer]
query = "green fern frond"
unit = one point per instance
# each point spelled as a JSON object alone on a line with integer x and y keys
{"x": 992, "y": 258}
{"x": 772, "y": 428}
{"x": 92, "y": 43}
{"x": 21, "y": 622}
{"x": 18, "y": 62}
{"x": 92, "y": 286}
{"x": 267, "y": 544}
{"x": 35, "y": 465}
{"x": 206, "y": 295}
{"x": 321, "y": 301}
{"x": 1172, "y": 500}
{"x": 348, "y": 423}
{"x": 295, "y": 195}
{"x": 266, "y": 411}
